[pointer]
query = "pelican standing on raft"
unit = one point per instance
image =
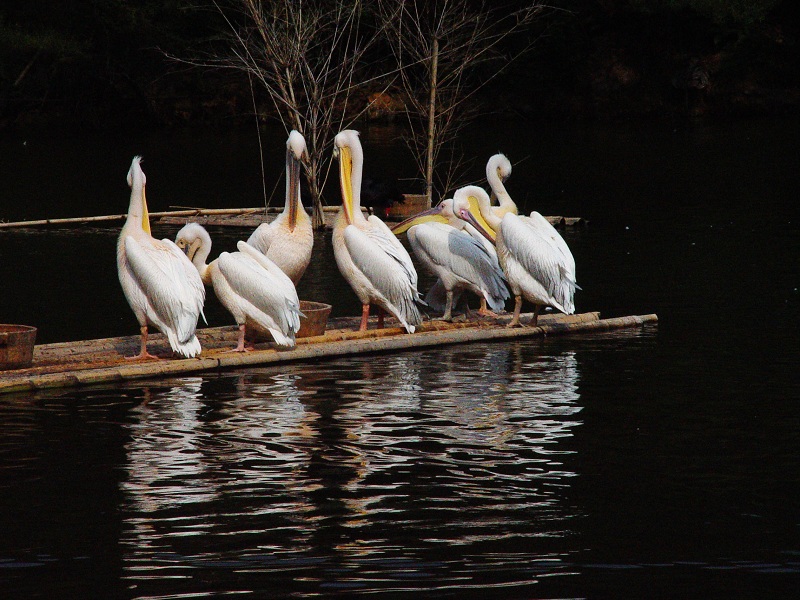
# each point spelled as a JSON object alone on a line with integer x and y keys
{"x": 248, "y": 284}
{"x": 369, "y": 256}
{"x": 459, "y": 260}
{"x": 536, "y": 266}
{"x": 498, "y": 169}
{"x": 289, "y": 239}
{"x": 161, "y": 285}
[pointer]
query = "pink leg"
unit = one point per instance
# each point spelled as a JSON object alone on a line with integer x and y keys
{"x": 240, "y": 345}
{"x": 143, "y": 353}
{"x": 381, "y": 314}
{"x": 364, "y": 317}
{"x": 517, "y": 309}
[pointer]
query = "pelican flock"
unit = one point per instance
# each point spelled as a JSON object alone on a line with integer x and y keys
{"x": 369, "y": 256}
{"x": 466, "y": 242}
{"x": 161, "y": 285}
{"x": 288, "y": 240}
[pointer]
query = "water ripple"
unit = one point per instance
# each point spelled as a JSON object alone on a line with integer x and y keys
{"x": 333, "y": 474}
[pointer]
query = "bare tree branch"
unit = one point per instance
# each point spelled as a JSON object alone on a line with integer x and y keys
{"x": 308, "y": 57}
{"x": 439, "y": 45}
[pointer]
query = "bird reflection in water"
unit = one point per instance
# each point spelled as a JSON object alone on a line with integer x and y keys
{"x": 163, "y": 452}
{"x": 349, "y": 462}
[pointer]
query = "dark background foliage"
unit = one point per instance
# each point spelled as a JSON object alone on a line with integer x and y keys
{"x": 103, "y": 64}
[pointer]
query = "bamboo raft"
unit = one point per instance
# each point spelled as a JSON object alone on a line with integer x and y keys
{"x": 73, "y": 364}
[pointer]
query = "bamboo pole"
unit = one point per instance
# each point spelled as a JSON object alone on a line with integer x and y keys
{"x": 334, "y": 343}
{"x": 208, "y": 212}
{"x": 168, "y": 213}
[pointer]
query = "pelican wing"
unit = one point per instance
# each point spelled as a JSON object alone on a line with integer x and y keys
{"x": 262, "y": 292}
{"x": 274, "y": 270}
{"x": 488, "y": 246}
{"x": 461, "y": 255}
{"x": 470, "y": 256}
{"x": 386, "y": 269}
{"x": 537, "y": 256}
{"x": 170, "y": 282}
{"x": 541, "y": 224}
{"x": 383, "y": 236}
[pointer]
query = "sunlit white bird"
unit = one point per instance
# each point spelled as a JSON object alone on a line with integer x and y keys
{"x": 498, "y": 169}
{"x": 461, "y": 261}
{"x": 248, "y": 284}
{"x": 161, "y": 285}
{"x": 537, "y": 266}
{"x": 369, "y": 256}
{"x": 289, "y": 240}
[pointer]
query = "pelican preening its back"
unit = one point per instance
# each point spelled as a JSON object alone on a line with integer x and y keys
{"x": 537, "y": 265}
{"x": 289, "y": 239}
{"x": 369, "y": 256}
{"x": 248, "y": 284}
{"x": 461, "y": 261}
{"x": 161, "y": 285}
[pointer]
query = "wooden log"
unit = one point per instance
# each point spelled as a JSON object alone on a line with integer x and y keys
{"x": 100, "y": 361}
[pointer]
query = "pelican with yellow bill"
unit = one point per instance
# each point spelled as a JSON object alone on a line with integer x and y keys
{"x": 369, "y": 256}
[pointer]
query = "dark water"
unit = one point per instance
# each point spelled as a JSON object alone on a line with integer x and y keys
{"x": 661, "y": 462}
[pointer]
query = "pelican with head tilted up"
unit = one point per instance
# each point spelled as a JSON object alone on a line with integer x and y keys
{"x": 161, "y": 285}
{"x": 458, "y": 255}
{"x": 369, "y": 256}
{"x": 248, "y": 284}
{"x": 537, "y": 267}
{"x": 289, "y": 239}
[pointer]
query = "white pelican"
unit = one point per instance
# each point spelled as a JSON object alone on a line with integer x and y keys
{"x": 159, "y": 282}
{"x": 498, "y": 169}
{"x": 289, "y": 239}
{"x": 369, "y": 256}
{"x": 461, "y": 260}
{"x": 248, "y": 284}
{"x": 537, "y": 267}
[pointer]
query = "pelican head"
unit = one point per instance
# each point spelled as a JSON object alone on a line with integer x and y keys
{"x": 194, "y": 240}
{"x": 498, "y": 166}
{"x": 347, "y": 148}
{"x": 464, "y": 202}
{"x": 137, "y": 182}
{"x": 296, "y": 152}
{"x": 296, "y": 144}
{"x": 191, "y": 238}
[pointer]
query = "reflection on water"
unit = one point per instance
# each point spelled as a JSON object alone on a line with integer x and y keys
{"x": 415, "y": 470}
